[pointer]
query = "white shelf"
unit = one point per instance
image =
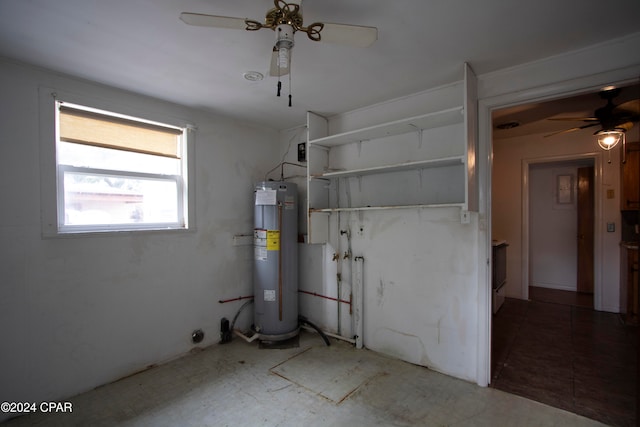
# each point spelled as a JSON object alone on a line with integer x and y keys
{"x": 411, "y": 124}
{"x": 447, "y": 180}
{"x": 422, "y": 164}
{"x": 378, "y": 208}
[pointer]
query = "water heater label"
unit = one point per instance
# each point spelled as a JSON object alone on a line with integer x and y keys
{"x": 260, "y": 237}
{"x": 266, "y": 197}
{"x": 273, "y": 240}
{"x": 260, "y": 244}
{"x": 260, "y": 253}
{"x": 289, "y": 202}
{"x": 269, "y": 295}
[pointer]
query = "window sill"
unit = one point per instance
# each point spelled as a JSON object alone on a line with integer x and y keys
{"x": 117, "y": 233}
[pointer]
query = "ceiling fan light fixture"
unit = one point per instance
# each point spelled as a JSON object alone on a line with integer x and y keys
{"x": 284, "y": 36}
{"x": 284, "y": 43}
{"x": 607, "y": 139}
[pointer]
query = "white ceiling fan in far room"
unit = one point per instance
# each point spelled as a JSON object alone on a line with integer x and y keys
{"x": 285, "y": 19}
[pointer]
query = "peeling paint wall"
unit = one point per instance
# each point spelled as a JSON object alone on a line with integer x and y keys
{"x": 78, "y": 312}
{"x": 420, "y": 297}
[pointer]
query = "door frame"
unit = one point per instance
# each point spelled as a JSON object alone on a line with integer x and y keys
{"x": 598, "y": 233}
{"x": 494, "y": 98}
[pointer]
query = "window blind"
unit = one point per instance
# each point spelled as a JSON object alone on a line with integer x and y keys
{"x": 101, "y": 130}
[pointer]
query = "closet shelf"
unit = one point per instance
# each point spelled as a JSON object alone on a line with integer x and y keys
{"x": 378, "y": 208}
{"x": 422, "y": 164}
{"x": 411, "y": 124}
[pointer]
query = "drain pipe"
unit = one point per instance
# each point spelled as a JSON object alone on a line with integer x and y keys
{"x": 303, "y": 321}
{"x": 336, "y": 257}
{"x": 358, "y": 296}
{"x": 347, "y": 254}
{"x": 329, "y": 334}
{"x": 252, "y": 338}
{"x": 226, "y": 329}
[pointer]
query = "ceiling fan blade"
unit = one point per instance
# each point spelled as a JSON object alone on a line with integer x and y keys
{"x": 273, "y": 68}
{"x": 571, "y": 129}
{"x": 561, "y": 132}
{"x": 349, "y": 35}
{"x": 201, "y": 20}
{"x": 632, "y": 106}
{"x": 626, "y": 126}
{"x": 575, "y": 119}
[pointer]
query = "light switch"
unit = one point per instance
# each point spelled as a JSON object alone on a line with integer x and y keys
{"x": 611, "y": 227}
{"x": 611, "y": 194}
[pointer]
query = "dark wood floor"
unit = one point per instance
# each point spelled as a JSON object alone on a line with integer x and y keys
{"x": 567, "y": 356}
{"x": 576, "y": 299}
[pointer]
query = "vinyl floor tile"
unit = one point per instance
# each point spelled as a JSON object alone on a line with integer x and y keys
{"x": 566, "y": 356}
{"x": 237, "y": 384}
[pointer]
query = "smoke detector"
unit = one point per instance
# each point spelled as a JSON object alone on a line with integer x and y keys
{"x": 253, "y": 76}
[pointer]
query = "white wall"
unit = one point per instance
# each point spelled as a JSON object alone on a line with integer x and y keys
{"x": 420, "y": 298}
{"x": 78, "y": 312}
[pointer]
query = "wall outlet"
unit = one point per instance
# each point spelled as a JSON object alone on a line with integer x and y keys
{"x": 465, "y": 218}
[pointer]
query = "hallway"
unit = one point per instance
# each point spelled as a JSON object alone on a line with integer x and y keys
{"x": 567, "y": 356}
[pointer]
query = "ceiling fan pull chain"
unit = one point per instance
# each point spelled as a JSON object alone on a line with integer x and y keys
{"x": 290, "y": 85}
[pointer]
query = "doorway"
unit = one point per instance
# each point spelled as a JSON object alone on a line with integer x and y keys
{"x": 561, "y": 236}
{"x": 565, "y": 276}
{"x": 553, "y": 350}
{"x": 520, "y": 89}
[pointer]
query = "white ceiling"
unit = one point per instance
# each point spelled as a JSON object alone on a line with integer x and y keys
{"x": 142, "y": 46}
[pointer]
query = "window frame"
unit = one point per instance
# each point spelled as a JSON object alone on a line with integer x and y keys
{"x": 75, "y": 228}
{"x": 52, "y": 174}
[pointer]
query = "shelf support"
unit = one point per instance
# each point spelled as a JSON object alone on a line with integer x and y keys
{"x": 419, "y": 132}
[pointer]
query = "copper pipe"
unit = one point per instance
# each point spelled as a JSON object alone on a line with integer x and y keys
{"x": 222, "y": 301}
{"x": 350, "y": 304}
{"x": 327, "y": 297}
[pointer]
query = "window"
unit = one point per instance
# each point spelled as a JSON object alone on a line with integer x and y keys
{"x": 117, "y": 172}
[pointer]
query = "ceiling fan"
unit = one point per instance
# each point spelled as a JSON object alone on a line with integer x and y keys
{"x": 286, "y": 19}
{"x": 611, "y": 117}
